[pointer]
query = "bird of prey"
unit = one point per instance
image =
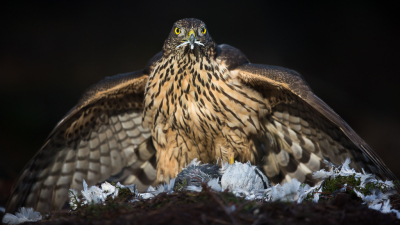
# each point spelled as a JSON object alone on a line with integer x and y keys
{"x": 194, "y": 99}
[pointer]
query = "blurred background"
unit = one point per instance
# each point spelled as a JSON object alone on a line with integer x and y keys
{"x": 50, "y": 52}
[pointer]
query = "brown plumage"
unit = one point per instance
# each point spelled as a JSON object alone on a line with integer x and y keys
{"x": 194, "y": 99}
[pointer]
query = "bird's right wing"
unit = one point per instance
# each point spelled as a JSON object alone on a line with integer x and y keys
{"x": 303, "y": 128}
{"x": 100, "y": 139}
{"x": 306, "y": 129}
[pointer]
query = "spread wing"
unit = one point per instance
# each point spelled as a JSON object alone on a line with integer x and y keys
{"x": 302, "y": 129}
{"x": 100, "y": 139}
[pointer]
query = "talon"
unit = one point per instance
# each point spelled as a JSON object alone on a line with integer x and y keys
{"x": 232, "y": 158}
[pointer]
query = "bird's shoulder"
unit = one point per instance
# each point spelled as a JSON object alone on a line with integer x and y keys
{"x": 230, "y": 57}
{"x": 258, "y": 75}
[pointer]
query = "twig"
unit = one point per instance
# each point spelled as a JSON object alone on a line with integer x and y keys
{"x": 217, "y": 220}
{"x": 239, "y": 207}
{"x": 219, "y": 202}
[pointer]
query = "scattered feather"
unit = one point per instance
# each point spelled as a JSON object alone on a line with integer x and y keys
{"x": 24, "y": 215}
{"x": 96, "y": 195}
{"x": 93, "y": 195}
{"x": 108, "y": 189}
{"x": 245, "y": 180}
{"x": 317, "y": 194}
{"x": 292, "y": 191}
{"x": 132, "y": 188}
{"x": 74, "y": 200}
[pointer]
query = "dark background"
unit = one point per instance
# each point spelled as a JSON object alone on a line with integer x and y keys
{"x": 50, "y": 52}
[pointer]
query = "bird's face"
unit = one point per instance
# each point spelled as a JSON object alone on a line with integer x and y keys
{"x": 189, "y": 36}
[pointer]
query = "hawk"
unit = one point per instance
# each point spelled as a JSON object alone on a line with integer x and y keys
{"x": 194, "y": 99}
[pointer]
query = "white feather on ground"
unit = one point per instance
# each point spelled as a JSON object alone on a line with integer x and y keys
{"x": 154, "y": 191}
{"x": 245, "y": 181}
{"x": 292, "y": 191}
{"x": 24, "y": 215}
{"x": 345, "y": 170}
{"x": 96, "y": 195}
{"x": 242, "y": 180}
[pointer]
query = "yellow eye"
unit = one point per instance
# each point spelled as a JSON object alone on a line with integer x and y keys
{"x": 203, "y": 30}
{"x": 177, "y": 31}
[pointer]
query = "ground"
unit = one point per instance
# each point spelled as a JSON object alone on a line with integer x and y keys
{"x": 208, "y": 207}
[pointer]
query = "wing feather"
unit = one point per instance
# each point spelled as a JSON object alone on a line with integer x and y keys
{"x": 305, "y": 126}
{"x": 95, "y": 141}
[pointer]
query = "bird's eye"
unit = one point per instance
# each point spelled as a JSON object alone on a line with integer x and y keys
{"x": 203, "y": 30}
{"x": 177, "y": 31}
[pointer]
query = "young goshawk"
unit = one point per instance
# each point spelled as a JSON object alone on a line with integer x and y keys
{"x": 194, "y": 99}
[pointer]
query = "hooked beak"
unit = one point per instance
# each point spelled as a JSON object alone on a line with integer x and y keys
{"x": 191, "y": 39}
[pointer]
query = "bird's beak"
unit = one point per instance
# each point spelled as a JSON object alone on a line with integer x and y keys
{"x": 192, "y": 38}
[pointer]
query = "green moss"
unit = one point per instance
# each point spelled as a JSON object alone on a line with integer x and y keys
{"x": 229, "y": 197}
{"x": 331, "y": 186}
{"x": 181, "y": 186}
{"x": 124, "y": 193}
{"x": 309, "y": 197}
{"x": 250, "y": 205}
{"x": 371, "y": 186}
{"x": 97, "y": 211}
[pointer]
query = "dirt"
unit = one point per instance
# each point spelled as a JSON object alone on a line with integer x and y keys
{"x": 208, "y": 207}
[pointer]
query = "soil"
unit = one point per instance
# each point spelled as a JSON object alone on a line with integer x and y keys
{"x": 209, "y": 207}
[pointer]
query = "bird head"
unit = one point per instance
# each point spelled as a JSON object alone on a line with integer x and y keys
{"x": 189, "y": 36}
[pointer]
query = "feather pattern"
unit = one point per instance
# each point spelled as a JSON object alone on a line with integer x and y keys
{"x": 303, "y": 120}
{"x": 97, "y": 141}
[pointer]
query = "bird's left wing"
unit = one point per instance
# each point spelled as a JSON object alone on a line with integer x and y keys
{"x": 302, "y": 129}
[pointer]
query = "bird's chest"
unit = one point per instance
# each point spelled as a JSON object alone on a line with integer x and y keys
{"x": 198, "y": 107}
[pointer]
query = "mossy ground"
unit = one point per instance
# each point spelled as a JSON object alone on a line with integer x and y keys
{"x": 208, "y": 207}
{"x": 331, "y": 187}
